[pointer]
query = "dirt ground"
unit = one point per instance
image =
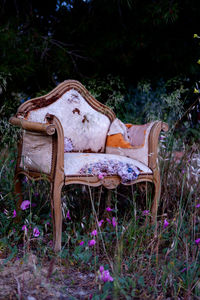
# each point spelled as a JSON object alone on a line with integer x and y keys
{"x": 29, "y": 280}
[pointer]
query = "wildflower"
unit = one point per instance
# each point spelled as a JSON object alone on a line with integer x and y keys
{"x": 36, "y": 232}
{"x": 196, "y": 91}
{"x": 14, "y": 213}
{"x": 105, "y": 275}
{"x": 108, "y": 208}
{"x": 68, "y": 215}
{"x": 101, "y": 269}
{"x": 91, "y": 243}
{"x": 166, "y": 223}
{"x": 25, "y": 204}
{"x": 198, "y": 205}
{"x": 145, "y": 212}
{"x": 114, "y": 223}
{"x": 94, "y": 232}
{"x": 197, "y": 241}
{"x": 195, "y": 35}
{"x": 50, "y": 243}
{"x": 24, "y": 228}
{"x": 198, "y": 61}
{"x": 108, "y": 220}
{"x": 100, "y": 223}
{"x": 183, "y": 270}
{"x": 81, "y": 243}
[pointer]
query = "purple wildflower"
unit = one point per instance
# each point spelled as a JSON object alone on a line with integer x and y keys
{"x": 114, "y": 223}
{"x": 166, "y": 223}
{"x": 81, "y": 243}
{"x": 14, "y": 213}
{"x": 108, "y": 220}
{"x": 197, "y": 241}
{"x": 24, "y": 228}
{"x": 68, "y": 215}
{"x": 145, "y": 212}
{"x": 101, "y": 269}
{"x": 91, "y": 243}
{"x": 108, "y": 208}
{"x": 183, "y": 270}
{"x": 105, "y": 275}
{"x": 94, "y": 232}
{"x": 100, "y": 223}
{"x": 25, "y": 204}
{"x": 198, "y": 205}
{"x": 36, "y": 232}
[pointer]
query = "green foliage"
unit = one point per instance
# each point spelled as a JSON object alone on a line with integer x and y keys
{"x": 109, "y": 91}
{"x": 163, "y": 102}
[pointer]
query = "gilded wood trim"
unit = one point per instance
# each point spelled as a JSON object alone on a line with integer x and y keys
{"x": 153, "y": 143}
{"x": 94, "y": 181}
{"x": 56, "y": 93}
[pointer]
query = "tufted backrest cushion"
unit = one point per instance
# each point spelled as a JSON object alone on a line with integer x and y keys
{"x": 85, "y": 128}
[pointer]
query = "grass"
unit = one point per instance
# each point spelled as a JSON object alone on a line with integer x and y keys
{"x": 142, "y": 265}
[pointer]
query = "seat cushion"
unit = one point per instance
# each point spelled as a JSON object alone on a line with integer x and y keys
{"x": 100, "y": 165}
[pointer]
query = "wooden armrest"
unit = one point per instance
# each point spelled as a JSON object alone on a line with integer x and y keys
{"x": 46, "y": 128}
{"x": 153, "y": 142}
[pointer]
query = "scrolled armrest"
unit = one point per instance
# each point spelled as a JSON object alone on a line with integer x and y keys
{"x": 153, "y": 142}
{"x": 45, "y": 128}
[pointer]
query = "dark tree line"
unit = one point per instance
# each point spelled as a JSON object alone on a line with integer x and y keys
{"x": 45, "y": 42}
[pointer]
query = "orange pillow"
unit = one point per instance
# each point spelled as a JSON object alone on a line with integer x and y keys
{"x": 117, "y": 140}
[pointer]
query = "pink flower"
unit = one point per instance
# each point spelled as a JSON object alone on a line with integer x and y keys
{"x": 105, "y": 275}
{"x": 100, "y": 223}
{"x": 166, "y": 223}
{"x": 198, "y": 205}
{"x": 108, "y": 220}
{"x": 108, "y": 208}
{"x": 101, "y": 269}
{"x": 183, "y": 270}
{"x": 50, "y": 243}
{"x": 24, "y": 228}
{"x": 81, "y": 243}
{"x": 145, "y": 212}
{"x": 94, "y": 232}
{"x": 25, "y": 204}
{"x": 91, "y": 243}
{"x": 197, "y": 241}
{"x": 36, "y": 232}
{"x": 14, "y": 213}
{"x": 68, "y": 215}
{"x": 114, "y": 223}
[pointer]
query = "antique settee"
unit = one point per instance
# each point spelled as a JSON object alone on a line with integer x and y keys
{"x": 69, "y": 137}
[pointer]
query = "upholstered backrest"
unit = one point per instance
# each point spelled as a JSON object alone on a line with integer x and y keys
{"x": 85, "y": 121}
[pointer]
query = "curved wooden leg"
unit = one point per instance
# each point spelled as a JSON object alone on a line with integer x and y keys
{"x": 18, "y": 190}
{"x": 156, "y": 198}
{"x": 56, "y": 211}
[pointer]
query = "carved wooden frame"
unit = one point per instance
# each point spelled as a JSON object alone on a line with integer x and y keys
{"x": 56, "y": 177}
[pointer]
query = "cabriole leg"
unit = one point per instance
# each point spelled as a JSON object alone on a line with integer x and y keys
{"x": 156, "y": 198}
{"x": 56, "y": 212}
{"x": 18, "y": 190}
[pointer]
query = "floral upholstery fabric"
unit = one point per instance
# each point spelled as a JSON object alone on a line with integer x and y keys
{"x": 100, "y": 165}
